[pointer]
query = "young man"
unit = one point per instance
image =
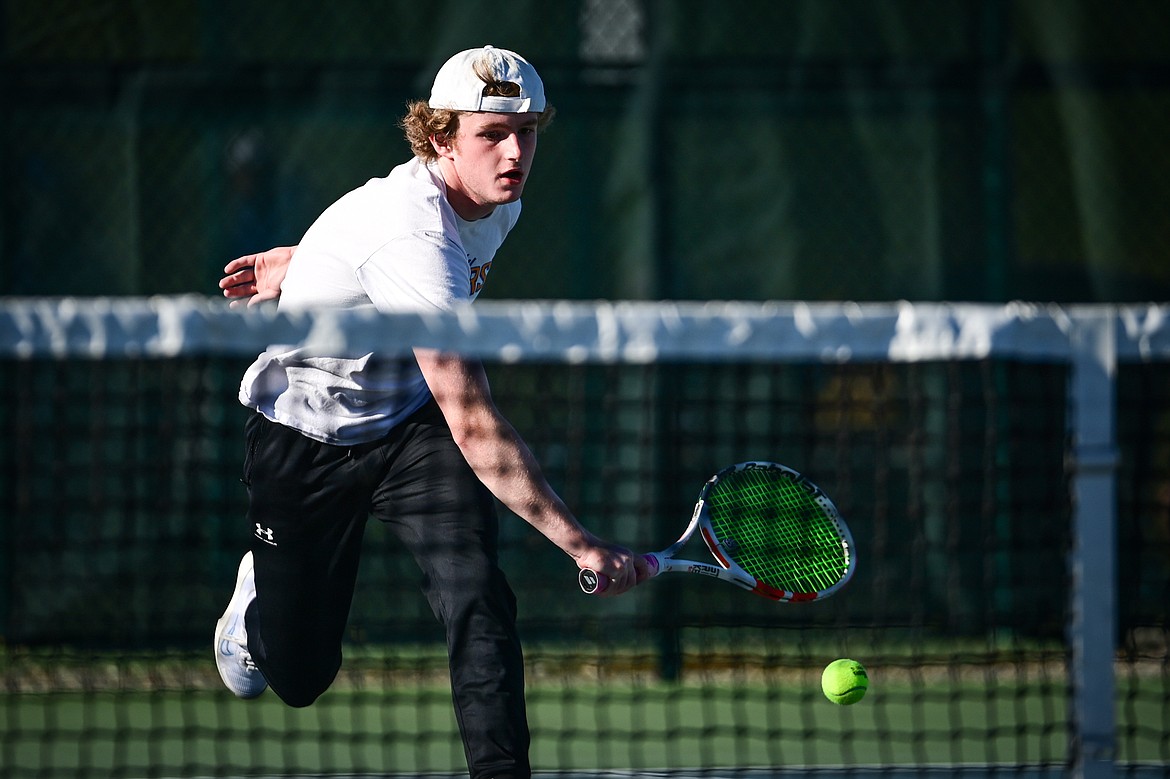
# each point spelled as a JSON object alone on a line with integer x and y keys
{"x": 417, "y": 443}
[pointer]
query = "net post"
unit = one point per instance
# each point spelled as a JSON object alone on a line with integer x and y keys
{"x": 1092, "y": 469}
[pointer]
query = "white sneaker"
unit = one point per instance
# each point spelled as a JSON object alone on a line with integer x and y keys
{"x": 232, "y": 657}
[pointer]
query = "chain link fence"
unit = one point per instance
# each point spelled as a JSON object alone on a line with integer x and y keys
{"x": 812, "y": 149}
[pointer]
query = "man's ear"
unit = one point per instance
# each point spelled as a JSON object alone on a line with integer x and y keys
{"x": 441, "y": 142}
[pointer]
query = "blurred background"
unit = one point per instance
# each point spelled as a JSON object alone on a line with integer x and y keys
{"x": 820, "y": 150}
{"x": 982, "y": 150}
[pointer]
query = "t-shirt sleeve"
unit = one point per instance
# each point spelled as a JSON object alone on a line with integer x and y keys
{"x": 421, "y": 271}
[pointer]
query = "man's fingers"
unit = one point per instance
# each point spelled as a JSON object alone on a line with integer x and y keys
{"x": 622, "y": 580}
{"x": 244, "y": 276}
{"x": 247, "y": 262}
{"x": 261, "y": 297}
{"x": 241, "y": 291}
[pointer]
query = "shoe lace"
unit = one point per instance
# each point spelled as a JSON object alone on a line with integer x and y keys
{"x": 244, "y": 655}
{"x": 249, "y": 663}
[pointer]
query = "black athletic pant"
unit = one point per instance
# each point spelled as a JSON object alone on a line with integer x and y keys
{"x": 308, "y": 507}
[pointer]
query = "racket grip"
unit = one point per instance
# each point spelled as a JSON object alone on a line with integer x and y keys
{"x": 594, "y": 583}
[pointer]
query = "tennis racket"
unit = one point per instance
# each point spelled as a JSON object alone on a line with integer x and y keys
{"x": 771, "y": 531}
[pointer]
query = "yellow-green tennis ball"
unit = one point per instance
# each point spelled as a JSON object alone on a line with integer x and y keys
{"x": 845, "y": 681}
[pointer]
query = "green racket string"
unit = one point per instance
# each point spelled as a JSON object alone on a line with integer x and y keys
{"x": 776, "y": 531}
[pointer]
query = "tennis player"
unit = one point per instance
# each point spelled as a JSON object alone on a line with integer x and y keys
{"x": 417, "y": 443}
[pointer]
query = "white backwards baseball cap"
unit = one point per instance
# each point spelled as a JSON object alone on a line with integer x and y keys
{"x": 458, "y": 88}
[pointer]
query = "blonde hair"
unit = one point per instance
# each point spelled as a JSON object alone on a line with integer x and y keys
{"x": 421, "y": 121}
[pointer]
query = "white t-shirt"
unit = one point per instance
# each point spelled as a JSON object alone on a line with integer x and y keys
{"x": 394, "y": 244}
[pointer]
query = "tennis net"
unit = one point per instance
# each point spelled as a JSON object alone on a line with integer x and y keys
{"x": 1005, "y": 471}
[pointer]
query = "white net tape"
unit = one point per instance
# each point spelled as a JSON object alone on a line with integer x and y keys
{"x": 638, "y": 332}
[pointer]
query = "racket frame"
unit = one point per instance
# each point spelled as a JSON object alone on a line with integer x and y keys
{"x": 727, "y": 569}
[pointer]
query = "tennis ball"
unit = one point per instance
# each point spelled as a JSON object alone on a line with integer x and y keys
{"x": 844, "y": 681}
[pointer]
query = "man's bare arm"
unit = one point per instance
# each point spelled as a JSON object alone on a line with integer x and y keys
{"x": 506, "y": 466}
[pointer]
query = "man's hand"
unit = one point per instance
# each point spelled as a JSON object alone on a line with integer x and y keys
{"x": 255, "y": 278}
{"x": 623, "y": 568}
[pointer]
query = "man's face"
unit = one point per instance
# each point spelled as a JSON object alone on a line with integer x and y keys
{"x": 488, "y": 162}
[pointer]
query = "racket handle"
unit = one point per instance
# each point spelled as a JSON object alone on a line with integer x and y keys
{"x": 594, "y": 583}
